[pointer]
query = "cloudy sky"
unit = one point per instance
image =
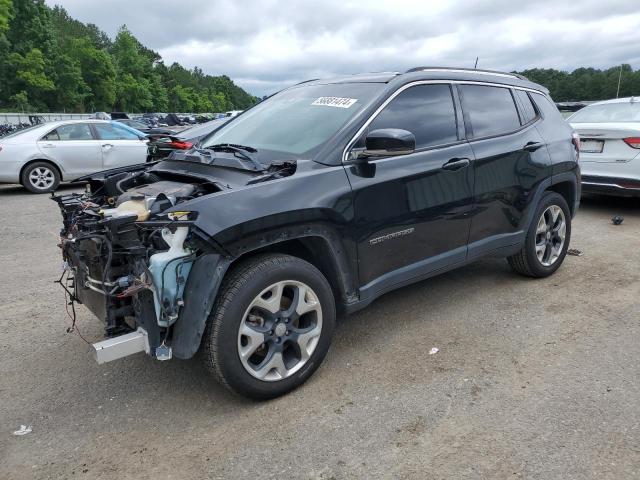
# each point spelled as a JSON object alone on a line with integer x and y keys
{"x": 265, "y": 45}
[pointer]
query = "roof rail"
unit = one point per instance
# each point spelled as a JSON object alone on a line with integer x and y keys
{"x": 306, "y": 81}
{"x": 467, "y": 70}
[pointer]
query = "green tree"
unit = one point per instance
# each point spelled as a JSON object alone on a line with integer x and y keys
{"x": 30, "y": 27}
{"x": 71, "y": 89}
{"x": 181, "y": 99}
{"x": 49, "y": 60}
{"x": 6, "y": 15}
{"x": 98, "y": 72}
{"x": 30, "y": 76}
{"x": 21, "y": 101}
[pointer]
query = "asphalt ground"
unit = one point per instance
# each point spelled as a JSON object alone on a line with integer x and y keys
{"x": 536, "y": 379}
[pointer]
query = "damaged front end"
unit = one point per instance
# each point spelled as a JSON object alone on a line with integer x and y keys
{"x": 150, "y": 276}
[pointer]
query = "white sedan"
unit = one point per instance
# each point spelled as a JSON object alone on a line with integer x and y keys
{"x": 610, "y": 146}
{"x": 41, "y": 157}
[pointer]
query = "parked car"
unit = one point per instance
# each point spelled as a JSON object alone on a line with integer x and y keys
{"x": 610, "y": 146}
{"x": 233, "y": 113}
{"x": 101, "y": 116}
{"x": 161, "y": 146}
{"x": 42, "y": 156}
{"x": 145, "y": 128}
{"x": 319, "y": 200}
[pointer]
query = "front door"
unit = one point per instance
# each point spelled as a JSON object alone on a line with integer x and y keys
{"x": 412, "y": 211}
{"x": 74, "y": 148}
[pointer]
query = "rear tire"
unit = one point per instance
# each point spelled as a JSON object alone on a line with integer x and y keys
{"x": 40, "y": 177}
{"x": 256, "y": 343}
{"x": 547, "y": 239}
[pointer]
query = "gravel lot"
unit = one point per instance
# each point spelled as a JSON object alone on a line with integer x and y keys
{"x": 534, "y": 378}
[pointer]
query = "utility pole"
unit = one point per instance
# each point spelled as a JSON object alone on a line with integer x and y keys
{"x": 476, "y": 65}
{"x": 619, "y": 78}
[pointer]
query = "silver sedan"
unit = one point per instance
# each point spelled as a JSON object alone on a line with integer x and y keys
{"x": 610, "y": 146}
{"x": 41, "y": 157}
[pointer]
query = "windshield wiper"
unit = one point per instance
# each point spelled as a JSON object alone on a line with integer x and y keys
{"x": 239, "y": 150}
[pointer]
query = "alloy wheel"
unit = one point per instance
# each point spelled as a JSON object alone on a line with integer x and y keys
{"x": 550, "y": 235}
{"x": 280, "y": 330}
{"x": 41, "y": 178}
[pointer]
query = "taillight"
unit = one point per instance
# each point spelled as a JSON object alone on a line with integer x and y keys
{"x": 180, "y": 145}
{"x": 633, "y": 142}
{"x": 575, "y": 138}
{"x": 177, "y": 144}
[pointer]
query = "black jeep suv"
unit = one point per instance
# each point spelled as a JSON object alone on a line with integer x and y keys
{"x": 318, "y": 200}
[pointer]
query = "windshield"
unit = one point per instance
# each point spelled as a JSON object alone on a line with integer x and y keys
{"x": 298, "y": 120}
{"x": 198, "y": 131}
{"x": 608, "y": 112}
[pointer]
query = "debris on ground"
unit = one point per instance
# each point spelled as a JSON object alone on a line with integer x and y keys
{"x": 575, "y": 252}
{"x": 617, "y": 220}
{"x": 23, "y": 430}
{"x": 434, "y": 350}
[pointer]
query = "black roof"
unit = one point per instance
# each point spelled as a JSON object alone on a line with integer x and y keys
{"x": 435, "y": 73}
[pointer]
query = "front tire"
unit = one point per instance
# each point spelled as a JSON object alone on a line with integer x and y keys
{"x": 547, "y": 239}
{"x": 271, "y": 326}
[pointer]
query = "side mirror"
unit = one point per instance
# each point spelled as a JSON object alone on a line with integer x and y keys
{"x": 387, "y": 142}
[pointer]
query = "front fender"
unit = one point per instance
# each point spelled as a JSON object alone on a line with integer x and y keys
{"x": 200, "y": 294}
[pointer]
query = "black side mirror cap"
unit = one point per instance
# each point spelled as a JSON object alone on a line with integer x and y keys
{"x": 387, "y": 142}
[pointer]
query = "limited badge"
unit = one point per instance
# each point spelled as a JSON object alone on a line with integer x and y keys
{"x": 338, "y": 102}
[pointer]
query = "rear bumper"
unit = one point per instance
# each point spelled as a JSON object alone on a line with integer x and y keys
{"x": 624, "y": 187}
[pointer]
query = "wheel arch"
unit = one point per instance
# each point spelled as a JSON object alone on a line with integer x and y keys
{"x": 41, "y": 160}
{"x": 568, "y": 190}
{"x": 318, "y": 247}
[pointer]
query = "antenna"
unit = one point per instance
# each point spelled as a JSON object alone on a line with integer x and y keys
{"x": 619, "y": 78}
{"x": 476, "y": 65}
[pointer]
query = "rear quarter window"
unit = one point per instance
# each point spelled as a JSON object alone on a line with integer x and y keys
{"x": 546, "y": 106}
{"x": 489, "y": 110}
{"x": 528, "y": 111}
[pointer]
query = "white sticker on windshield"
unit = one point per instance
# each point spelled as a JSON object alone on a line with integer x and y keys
{"x": 335, "y": 102}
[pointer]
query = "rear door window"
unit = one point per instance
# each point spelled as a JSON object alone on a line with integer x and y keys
{"x": 74, "y": 131}
{"x": 489, "y": 110}
{"x": 427, "y": 111}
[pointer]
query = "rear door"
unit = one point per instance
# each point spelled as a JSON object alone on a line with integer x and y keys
{"x": 411, "y": 211}
{"x": 119, "y": 145}
{"x": 74, "y": 148}
{"x": 511, "y": 159}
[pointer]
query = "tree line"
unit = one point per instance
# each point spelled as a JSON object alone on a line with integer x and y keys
{"x": 52, "y": 62}
{"x": 587, "y": 83}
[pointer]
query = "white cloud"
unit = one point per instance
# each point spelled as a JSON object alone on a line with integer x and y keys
{"x": 264, "y": 46}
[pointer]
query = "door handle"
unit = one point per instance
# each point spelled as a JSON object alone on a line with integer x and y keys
{"x": 456, "y": 164}
{"x": 533, "y": 146}
{"x": 48, "y": 145}
{"x": 106, "y": 145}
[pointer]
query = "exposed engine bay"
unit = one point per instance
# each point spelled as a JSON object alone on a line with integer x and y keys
{"x": 126, "y": 257}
